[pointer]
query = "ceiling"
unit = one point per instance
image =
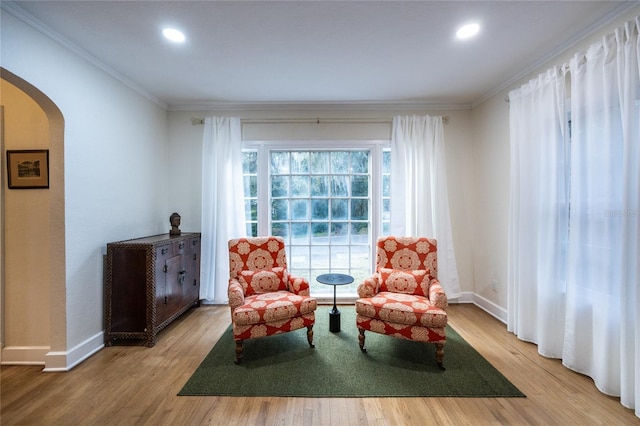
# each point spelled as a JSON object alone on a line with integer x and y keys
{"x": 367, "y": 52}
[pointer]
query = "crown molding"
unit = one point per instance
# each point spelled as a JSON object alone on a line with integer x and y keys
{"x": 24, "y": 16}
{"x": 624, "y": 8}
{"x": 319, "y": 106}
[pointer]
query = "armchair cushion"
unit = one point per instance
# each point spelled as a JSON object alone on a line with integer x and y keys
{"x": 264, "y": 281}
{"x": 272, "y": 307}
{"x": 405, "y": 281}
{"x": 399, "y": 308}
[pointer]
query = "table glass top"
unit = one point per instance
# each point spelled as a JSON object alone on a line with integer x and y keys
{"x": 334, "y": 279}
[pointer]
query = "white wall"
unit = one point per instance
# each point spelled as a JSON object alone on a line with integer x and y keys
{"x": 491, "y": 201}
{"x": 185, "y": 141}
{"x": 490, "y": 123}
{"x": 116, "y": 173}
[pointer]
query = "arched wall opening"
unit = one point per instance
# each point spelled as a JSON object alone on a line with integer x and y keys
{"x": 33, "y": 297}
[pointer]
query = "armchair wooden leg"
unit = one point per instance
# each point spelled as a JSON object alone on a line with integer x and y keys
{"x": 440, "y": 355}
{"x": 238, "y": 351}
{"x": 361, "y": 339}
{"x": 310, "y": 336}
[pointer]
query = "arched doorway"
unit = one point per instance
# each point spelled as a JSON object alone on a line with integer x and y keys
{"x": 33, "y": 300}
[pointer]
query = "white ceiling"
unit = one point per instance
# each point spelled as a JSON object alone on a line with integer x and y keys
{"x": 317, "y": 51}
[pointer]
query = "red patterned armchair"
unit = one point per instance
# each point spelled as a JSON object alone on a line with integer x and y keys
{"x": 404, "y": 298}
{"x": 263, "y": 297}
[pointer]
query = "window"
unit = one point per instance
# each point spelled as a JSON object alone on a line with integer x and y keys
{"x": 328, "y": 204}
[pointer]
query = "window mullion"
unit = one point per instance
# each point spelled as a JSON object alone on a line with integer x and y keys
{"x": 376, "y": 199}
{"x": 264, "y": 194}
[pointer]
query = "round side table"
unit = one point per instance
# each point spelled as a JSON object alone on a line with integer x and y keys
{"x": 334, "y": 280}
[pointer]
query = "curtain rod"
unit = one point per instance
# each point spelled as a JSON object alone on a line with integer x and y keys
{"x": 318, "y": 120}
{"x": 565, "y": 68}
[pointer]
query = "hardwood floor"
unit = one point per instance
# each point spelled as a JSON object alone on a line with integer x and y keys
{"x": 127, "y": 385}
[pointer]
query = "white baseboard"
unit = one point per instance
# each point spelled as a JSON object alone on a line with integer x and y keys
{"x": 52, "y": 360}
{"x": 465, "y": 297}
{"x": 24, "y": 355}
{"x": 57, "y": 361}
{"x": 491, "y": 308}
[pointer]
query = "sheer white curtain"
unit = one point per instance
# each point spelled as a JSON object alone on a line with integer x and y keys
{"x": 539, "y": 216}
{"x": 222, "y": 203}
{"x": 580, "y": 303}
{"x": 419, "y": 196}
{"x": 603, "y": 296}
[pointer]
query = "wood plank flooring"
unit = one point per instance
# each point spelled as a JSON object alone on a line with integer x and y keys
{"x": 136, "y": 385}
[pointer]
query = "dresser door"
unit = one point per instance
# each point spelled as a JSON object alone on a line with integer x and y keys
{"x": 128, "y": 290}
{"x": 163, "y": 253}
{"x": 173, "y": 282}
{"x": 191, "y": 289}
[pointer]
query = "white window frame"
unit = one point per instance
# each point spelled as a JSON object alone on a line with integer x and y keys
{"x": 375, "y": 147}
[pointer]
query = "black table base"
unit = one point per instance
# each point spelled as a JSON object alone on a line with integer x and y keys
{"x": 334, "y": 320}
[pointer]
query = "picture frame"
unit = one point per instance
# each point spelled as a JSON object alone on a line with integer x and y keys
{"x": 28, "y": 169}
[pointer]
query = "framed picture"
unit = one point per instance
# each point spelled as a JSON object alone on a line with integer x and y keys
{"x": 28, "y": 169}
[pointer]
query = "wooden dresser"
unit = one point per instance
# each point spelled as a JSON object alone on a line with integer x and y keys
{"x": 149, "y": 282}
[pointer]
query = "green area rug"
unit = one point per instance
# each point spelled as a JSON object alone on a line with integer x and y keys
{"x": 285, "y": 365}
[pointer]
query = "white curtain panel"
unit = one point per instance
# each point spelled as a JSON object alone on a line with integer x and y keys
{"x": 222, "y": 203}
{"x": 580, "y": 301}
{"x": 419, "y": 196}
{"x": 539, "y": 215}
{"x": 603, "y": 280}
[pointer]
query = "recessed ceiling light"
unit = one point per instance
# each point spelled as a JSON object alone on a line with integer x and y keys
{"x": 467, "y": 31}
{"x": 174, "y": 35}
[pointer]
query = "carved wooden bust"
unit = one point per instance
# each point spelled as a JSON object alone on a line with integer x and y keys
{"x": 174, "y": 220}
